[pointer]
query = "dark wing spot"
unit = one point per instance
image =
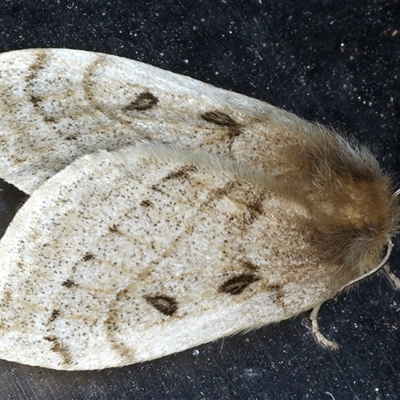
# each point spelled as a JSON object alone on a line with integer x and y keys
{"x": 71, "y": 137}
{"x": 68, "y": 283}
{"x": 88, "y": 257}
{"x": 237, "y": 284}
{"x": 219, "y": 118}
{"x": 146, "y": 203}
{"x": 165, "y": 304}
{"x": 35, "y": 100}
{"x": 113, "y": 228}
{"x": 48, "y": 119}
{"x": 54, "y": 315}
{"x": 180, "y": 173}
{"x": 143, "y": 101}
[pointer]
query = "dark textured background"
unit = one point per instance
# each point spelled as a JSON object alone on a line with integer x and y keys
{"x": 332, "y": 61}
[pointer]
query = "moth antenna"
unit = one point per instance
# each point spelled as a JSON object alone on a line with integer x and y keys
{"x": 372, "y": 271}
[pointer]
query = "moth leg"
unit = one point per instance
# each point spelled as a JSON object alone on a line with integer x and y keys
{"x": 392, "y": 277}
{"x": 319, "y": 337}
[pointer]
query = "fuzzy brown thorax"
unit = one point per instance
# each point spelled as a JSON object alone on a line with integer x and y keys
{"x": 351, "y": 202}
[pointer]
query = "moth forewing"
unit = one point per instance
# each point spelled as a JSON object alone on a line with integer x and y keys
{"x": 59, "y": 104}
{"x": 183, "y": 255}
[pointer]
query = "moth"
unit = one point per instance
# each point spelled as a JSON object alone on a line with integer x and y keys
{"x": 165, "y": 213}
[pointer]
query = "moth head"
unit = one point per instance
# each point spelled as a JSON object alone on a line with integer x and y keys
{"x": 352, "y": 204}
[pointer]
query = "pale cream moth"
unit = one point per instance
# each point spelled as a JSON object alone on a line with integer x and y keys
{"x": 165, "y": 212}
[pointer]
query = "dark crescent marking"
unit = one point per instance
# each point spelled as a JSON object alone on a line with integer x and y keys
{"x": 219, "y": 118}
{"x": 165, "y": 304}
{"x": 143, "y": 101}
{"x": 237, "y": 284}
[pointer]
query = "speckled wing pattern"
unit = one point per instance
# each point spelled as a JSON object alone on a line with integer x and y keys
{"x": 161, "y": 256}
{"x": 165, "y": 213}
{"x": 59, "y": 104}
